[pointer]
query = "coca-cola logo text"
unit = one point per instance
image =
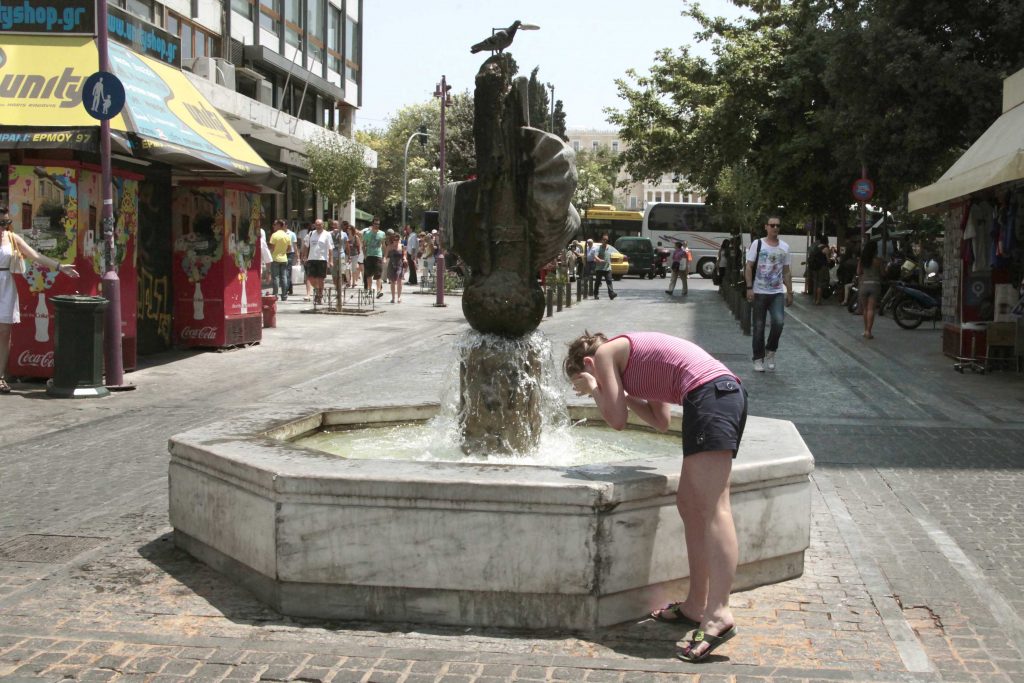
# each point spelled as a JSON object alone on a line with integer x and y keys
{"x": 208, "y": 333}
{"x": 35, "y": 360}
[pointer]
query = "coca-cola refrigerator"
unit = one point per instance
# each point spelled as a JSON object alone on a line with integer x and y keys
{"x": 216, "y": 264}
{"x": 55, "y": 207}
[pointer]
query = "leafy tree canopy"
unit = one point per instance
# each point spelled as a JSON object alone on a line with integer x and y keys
{"x": 801, "y": 93}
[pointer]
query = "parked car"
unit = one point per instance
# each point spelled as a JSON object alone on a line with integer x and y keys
{"x": 640, "y": 252}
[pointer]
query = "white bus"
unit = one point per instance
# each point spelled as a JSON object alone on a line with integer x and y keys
{"x": 666, "y": 223}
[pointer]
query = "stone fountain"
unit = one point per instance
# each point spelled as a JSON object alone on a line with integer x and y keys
{"x": 570, "y": 547}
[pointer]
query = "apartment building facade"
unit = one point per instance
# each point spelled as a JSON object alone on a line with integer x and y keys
{"x": 670, "y": 187}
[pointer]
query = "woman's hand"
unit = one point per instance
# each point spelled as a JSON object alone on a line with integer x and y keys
{"x": 584, "y": 383}
{"x": 68, "y": 270}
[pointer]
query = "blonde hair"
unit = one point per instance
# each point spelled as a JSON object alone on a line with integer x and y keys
{"x": 584, "y": 346}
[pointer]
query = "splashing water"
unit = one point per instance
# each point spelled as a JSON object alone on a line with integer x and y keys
{"x": 561, "y": 441}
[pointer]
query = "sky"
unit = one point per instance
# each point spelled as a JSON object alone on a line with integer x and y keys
{"x": 581, "y": 48}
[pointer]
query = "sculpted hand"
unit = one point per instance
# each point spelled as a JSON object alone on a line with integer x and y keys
{"x": 584, "y": 384}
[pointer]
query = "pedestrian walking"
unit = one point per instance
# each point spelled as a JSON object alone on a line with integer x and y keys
{"x": 722, "y": 262}
{"x": 373, "y": 247}
{"x": 412, "y": 248}
{"x": 647, "y": 372}
{"x": 293, "y": 256}
{"x": 869, "y": 272}
{"x": 768, "y": 275}
{"x": 355, "y": 256}
{"x": 819, "y": 266}
{"x": 602, "y": 259}
{"x": 13, "y": 252}
{"x": 680, "y": 268}
{"x": 280, "y": 266}
{"x": 394, "y": 253}
{"x": 318, "y": 257}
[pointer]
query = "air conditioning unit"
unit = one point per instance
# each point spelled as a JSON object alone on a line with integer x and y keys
{"x": 265, "y": 92}
{"x": 224, "y": 73}
{"x": 203, "y": 66}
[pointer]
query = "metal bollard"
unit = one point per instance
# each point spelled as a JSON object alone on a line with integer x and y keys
{"x": 568, "y": 294}
{"x": 551, "y": 301}
{"x": 744, "y": 316}
{"x": 579, "y": 289}
{"x": 558, "y": 297}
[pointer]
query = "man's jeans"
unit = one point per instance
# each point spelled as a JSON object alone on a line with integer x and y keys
{"x": 277, "y": 277}
{"x": 765, "y": 304}
{"x": 288, "y": 272}
{"x": 605, "y": 275}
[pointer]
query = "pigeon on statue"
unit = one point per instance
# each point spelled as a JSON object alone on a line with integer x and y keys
{"x": 499, "y": 41}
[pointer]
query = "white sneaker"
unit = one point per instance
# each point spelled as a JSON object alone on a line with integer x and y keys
{"x": 769, "y": 360}
{"x": 759, "y": 365}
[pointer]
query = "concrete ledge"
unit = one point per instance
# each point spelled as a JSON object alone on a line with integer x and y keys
{"x": 460, "y": 543}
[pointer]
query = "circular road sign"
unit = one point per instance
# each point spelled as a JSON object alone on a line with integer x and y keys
{"x": 103, "y": 95}
{"x": 863, "y": 189}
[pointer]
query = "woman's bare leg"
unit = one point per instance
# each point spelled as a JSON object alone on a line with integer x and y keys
{"x": 706, "y": 478}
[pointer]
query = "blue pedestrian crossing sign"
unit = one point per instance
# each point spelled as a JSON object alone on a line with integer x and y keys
{"x": 103, "y": 95}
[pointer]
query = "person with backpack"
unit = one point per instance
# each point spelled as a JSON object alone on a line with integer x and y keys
{"x": 769, "y": 290}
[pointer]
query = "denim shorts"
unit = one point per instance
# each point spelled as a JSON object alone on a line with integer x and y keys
{"x": 714, "y": 416}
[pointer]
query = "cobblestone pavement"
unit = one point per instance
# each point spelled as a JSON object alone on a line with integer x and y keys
{"x": 913, "y": 573}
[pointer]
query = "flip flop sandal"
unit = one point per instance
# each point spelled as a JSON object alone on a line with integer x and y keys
{"x": 699, "y": 636}
{"x": 674, "y": 609}
{"x": 5, "y": 388}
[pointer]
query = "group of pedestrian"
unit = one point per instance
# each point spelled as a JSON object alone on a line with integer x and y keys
{"x": 351, "y": 256}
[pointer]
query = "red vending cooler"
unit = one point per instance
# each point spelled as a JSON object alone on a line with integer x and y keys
{"x": 216, "y": 264}
{"x": 50, "y": 206}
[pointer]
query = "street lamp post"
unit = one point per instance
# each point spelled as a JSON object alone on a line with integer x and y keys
{"x": 441, "y": 91}
{"x": 551, "y": 129}
{"x": 405, "y": 174}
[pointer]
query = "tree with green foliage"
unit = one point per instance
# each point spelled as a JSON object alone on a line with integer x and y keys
{"x": 539, "y": 102}
{"x": 560, "y": 121}
{"x": 803, "y": 93}
{"x": 597, "y": 172}
{"x": 337, "y": 168}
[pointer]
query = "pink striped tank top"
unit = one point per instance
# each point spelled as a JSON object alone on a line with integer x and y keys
{"x": 665, "y": 368}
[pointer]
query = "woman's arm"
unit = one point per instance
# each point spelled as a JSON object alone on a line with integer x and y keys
{"x": 654, "y": 413}
{"x": 53, "y": 264}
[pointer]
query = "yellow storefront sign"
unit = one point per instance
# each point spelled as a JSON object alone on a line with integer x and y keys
{"x": 41, "y": 81}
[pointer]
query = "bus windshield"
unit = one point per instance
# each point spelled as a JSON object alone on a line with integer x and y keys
{"x": 602, "y": 219}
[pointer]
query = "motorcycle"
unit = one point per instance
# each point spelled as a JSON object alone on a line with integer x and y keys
{"x": 913, "y": 306}
{"x": 661, "y": 261}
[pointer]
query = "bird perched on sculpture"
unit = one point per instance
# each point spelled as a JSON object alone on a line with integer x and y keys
{"x": 499, "y": 40}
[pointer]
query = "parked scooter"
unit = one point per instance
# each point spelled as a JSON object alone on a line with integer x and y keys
{"x": 912, "y": 306}
{"x": 662, "y": 256}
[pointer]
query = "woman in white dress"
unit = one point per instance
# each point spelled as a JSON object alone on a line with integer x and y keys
{"x": 9, "y": 314}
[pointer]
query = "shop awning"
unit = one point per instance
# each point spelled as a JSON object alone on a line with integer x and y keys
{"x": 165, "y": 118}
{"x": 996, "y": 158}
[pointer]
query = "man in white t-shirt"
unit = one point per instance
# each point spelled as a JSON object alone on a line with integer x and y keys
{"x": 769, "y": 290}
{"x": 319, "y": 256}
{"x": 412, "y": 250}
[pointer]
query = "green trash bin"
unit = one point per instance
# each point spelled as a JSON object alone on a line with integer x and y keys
{"x": 78, "y": 347}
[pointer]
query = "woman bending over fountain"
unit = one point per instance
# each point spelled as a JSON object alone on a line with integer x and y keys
{"x": 646, "y": 372}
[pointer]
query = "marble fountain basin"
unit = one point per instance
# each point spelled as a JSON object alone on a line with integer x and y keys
{"x": 520, "y": 546}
